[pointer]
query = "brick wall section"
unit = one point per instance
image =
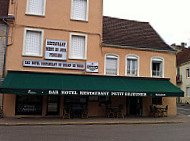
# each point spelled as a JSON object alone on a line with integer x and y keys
{"x": 4, "y": 6}
{"x": 2, "y": 46}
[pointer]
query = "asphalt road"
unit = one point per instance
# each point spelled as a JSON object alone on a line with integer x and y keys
{"x": 140, "y": 132}
{"x": 183, "y": 109}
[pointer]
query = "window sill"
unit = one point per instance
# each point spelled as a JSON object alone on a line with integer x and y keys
{"x": 157, "y": 76}
{"x": 28, "y": 55}
{"x": 83, "y": 59}
{"x": 79, "y": 20}
{"x": 111, "y": 74}
{"x": 38, "y": 15}
{"x": 132, "y": 75}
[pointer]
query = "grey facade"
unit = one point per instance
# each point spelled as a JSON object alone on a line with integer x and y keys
{"x": 2, "y": 50}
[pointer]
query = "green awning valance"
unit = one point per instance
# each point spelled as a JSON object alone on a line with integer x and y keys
{"x": 70, "y": 84}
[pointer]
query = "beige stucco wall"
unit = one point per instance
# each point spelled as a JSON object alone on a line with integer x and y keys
{"x": 185, "y": 82}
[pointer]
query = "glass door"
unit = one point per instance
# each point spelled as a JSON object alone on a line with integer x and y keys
{"x": 53, "y": 105}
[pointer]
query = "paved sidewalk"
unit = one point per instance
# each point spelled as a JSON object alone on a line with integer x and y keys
{"x": 93, "y": 121}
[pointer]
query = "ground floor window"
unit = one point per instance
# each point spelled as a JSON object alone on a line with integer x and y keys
{"x": 28, "y": 105}
{"x": 157, "y": 100}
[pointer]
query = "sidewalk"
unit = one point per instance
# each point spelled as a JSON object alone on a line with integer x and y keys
{"x": 93, "y": 121}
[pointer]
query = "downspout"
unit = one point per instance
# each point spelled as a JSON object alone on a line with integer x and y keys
{"x": 7, "y": 35}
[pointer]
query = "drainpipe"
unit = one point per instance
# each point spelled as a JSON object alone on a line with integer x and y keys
{"x": 7, "y": 34}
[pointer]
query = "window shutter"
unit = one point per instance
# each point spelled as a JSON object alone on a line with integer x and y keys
{"x": 188, "y": 91}
{"x": 79, "y": 9}
{"x": 77, "y": 47}
{"x": 33, "y": 43}
{"x": 35, "y": 7}
{"x": 111, "y": 66}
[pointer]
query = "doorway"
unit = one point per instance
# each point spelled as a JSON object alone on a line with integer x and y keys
{"x": 53, "y": 105}
{"x": 134, "y": 106}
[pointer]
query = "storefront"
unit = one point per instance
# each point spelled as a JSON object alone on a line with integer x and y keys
{"x": 47, "y": 94}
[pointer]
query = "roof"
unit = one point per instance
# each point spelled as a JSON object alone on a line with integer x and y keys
{"x": 183, "y": 56}
{"x": 130, "y": 33}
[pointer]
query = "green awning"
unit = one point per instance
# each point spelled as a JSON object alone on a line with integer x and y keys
{"x": 72, "y": 84}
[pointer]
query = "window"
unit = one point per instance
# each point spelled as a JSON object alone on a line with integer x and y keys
{"x": 132, "y": 65}
{"x": 187, "y": 72}
{"x": 28, "y": 105}
{"x": 36, "y": 7}
{"x": 78, "y": 46}
{"x": 104, "y": 99}
{"x": 157, "y": 67}
{"x": 188, "y": 91}
{"x": 33, "y": 42}
{"x": 111, "y": 65}
{"x": 157, "y": 100}
{"x": 79, "y": 10}
{"x": 93, "y": 98}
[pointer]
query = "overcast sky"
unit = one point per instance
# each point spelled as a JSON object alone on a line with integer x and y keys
{"x": 170, "y": 18}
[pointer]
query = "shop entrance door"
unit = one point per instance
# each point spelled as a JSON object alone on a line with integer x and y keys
{"x": 135, "y": 106}
{"x": 53, "y": 105}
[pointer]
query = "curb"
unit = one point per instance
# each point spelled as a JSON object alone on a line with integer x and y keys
{"x": 88, "y": 123}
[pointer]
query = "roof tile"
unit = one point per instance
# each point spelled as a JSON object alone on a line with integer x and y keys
{"x": 132, "y": 33}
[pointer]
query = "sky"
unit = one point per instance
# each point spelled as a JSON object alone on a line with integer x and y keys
{"x": 170, "y": 18}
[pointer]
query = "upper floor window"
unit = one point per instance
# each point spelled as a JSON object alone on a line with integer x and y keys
{"x": 36, "y": 7}
{"x": 187, "y": 72}
{"x": 79, "y": 10}
{"x": 157, "y": 67}
{"x": 78, "y": 46}
{"x": 132, "y": 65}
{"x": 188, "y": 91}
{"x": 111, "y": 64}
{"x": 33, "y": 42}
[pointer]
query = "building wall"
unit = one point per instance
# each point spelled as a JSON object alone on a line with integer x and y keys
{"x": 57, "y": 25}
{"x": 2, "y": 51}
{"x": 2, "y": 46}
{"x": 185, "y": 82}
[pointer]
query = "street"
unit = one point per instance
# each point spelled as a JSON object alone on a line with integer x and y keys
{"x": 138, "y": 132}
{"x": 183, "y": 109}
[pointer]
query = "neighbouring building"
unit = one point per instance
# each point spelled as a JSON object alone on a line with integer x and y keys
{"x": 4, "y": 6}
{"x": 179, "y": 48}
{"x": 183, "y": 74}
{"x": 66, "y": 55}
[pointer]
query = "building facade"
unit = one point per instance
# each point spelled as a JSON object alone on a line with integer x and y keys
{"x": 183, "y": 74}
{"x": 4, "y": 6}
{"x": 71, "y": 57}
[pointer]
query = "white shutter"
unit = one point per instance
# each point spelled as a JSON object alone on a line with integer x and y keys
{"x": 111, "y": 66}
{"x": 188, "y": 91}
{"x": 35, "y": 7}
{"x": 33, "y": 43}
{"x": 79, "y": 9}
{"x": 77, "y": 49}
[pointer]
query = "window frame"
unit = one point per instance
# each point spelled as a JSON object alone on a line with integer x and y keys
{"x": 24, "y": 42}
{"x": 85, "y": 46}
{"x": 132, "y": 56}
{"x": 157, "y": 59}
{"x": 78, "y": 19}
{"x": 111, "y": 55}
{"x": 31, "y": 14}
{"x": 187, "y": 72}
